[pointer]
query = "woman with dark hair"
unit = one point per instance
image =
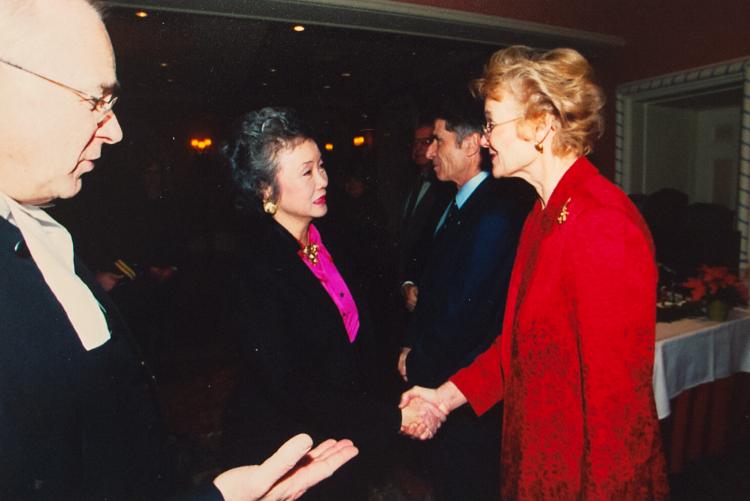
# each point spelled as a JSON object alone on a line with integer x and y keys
{"x": 574, "y": 361}
{"x": 305, "y": 339}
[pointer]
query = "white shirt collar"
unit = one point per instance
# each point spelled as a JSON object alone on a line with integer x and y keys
{"x": 51, "y": 248}
{"x": 467, "y": 189}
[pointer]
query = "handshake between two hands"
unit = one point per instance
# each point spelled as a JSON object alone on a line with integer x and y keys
{"x": 297, "y": 466}
{"x": 422, "y": 412}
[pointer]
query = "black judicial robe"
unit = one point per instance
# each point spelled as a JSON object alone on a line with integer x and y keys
{"x": 74, "y": 424}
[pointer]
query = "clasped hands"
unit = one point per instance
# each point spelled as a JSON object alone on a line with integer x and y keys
{"x": 422, "y": 413}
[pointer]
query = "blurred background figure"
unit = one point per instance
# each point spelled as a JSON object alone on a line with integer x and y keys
{"x": 137, "y": 256}
{"x": 359, "y": 222}
{"x": 427, "y": 199}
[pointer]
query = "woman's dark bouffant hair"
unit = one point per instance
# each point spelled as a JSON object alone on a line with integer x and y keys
{"x": 251, "y": 150}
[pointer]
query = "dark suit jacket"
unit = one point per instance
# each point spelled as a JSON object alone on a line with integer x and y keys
{"x": 464, "y": 283}
{"x": 74, "y": 424}
{"x": 415, "y": 233}
{"x": 299, "y": 371}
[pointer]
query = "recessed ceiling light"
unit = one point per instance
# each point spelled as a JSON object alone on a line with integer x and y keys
{"x": 298, "y": 28}
{"x": 273, "y": 70}
{"x": 346, "y": 74}
{"x": 264, "y": 84}
{"x": 141, "y": 14}
{"x": 163, "y": 65}
{"x": 326, "y": 86}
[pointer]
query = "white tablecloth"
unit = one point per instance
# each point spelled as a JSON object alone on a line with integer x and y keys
{"x": 692, "y": 351}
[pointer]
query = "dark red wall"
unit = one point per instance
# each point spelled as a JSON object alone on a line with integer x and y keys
{"x": 661, "y": 35}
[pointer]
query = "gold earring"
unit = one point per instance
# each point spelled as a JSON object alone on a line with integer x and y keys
{"x": 269, "y": 207}
{"x": 539, "y": 146}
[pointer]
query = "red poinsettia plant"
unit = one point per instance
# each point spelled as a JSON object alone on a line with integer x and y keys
{"x": 715, "y": 282}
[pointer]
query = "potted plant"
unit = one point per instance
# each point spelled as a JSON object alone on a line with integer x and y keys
{"x": 717, "y": 290}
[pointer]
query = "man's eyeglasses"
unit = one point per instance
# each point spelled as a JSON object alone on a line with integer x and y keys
{"x": 101, "y": 105}
{"x": 490, "y": 125}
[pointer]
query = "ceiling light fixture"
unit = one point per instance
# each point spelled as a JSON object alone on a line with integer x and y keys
{"x": 346, "y": 74}
{"x": 299, "y": 28}
{"x": 141, "y": 14}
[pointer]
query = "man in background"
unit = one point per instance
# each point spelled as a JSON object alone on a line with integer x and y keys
{"x": 426, "y": 201}
{"x": 461, "y": 302}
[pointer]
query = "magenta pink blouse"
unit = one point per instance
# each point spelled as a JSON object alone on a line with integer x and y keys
{"x": 326, "y": 272}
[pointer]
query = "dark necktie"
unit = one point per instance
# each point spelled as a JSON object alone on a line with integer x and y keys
{"x": 412, "y": 202}
{"x": 450, "y": 218}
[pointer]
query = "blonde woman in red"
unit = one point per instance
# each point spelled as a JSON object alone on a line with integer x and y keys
{"x": 575, "y": 358}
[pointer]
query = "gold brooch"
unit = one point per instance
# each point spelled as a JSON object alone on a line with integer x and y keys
{"x": 563, "y": 213}
{"x": 310, "y": 251}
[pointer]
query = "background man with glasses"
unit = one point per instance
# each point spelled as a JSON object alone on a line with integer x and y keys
{"x": 426, "y": 201}
{"x": 78, "y": 413}
{"x": 462, "y": 298}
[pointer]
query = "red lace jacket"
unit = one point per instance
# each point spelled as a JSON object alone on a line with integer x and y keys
{"x": 575, "y": 359}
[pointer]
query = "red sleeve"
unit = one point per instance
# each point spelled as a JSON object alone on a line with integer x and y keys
{"x": 612, "y": 275}
{"x": 482, "y": 381}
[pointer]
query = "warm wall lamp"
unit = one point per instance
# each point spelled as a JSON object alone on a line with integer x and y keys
{"x": 200, "y": 145}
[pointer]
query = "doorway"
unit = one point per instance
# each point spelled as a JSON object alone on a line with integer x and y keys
{"x": 689, "y": 131}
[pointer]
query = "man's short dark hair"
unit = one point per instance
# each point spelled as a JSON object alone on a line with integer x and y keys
{"x": 463, "y": 116}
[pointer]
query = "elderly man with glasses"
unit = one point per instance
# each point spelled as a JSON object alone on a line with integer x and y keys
{"x": 78, "y": 413}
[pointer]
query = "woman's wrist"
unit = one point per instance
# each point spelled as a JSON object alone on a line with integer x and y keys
{"x": 450, "y": 396}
